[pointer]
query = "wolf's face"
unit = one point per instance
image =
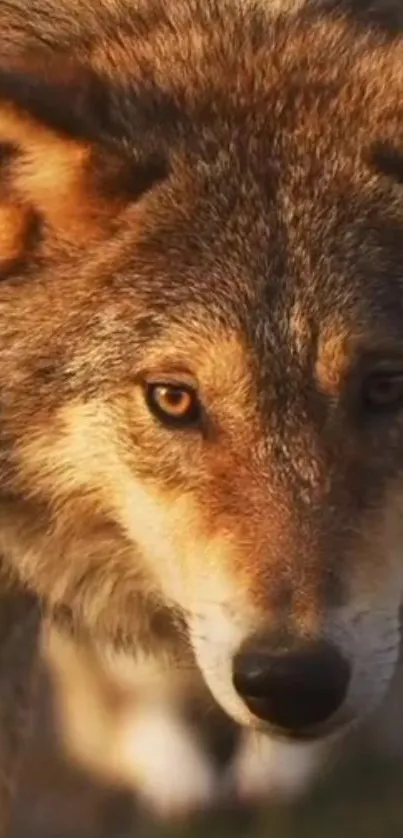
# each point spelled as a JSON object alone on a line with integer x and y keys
{"x": 201, "y": 354}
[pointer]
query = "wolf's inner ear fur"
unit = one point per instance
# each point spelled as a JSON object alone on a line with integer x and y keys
{"x": 55, "y": 163}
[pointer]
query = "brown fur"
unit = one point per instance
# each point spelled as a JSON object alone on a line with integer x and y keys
{"x": 19, "y": 633}
{"x": 212, "y": 194}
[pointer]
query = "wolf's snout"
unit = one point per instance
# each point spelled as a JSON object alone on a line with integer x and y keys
{"x": 292, "y": 689}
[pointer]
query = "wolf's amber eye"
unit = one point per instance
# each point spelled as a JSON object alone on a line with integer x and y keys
{"x": 175, "y": 405}
{"x": 383, "y": 391}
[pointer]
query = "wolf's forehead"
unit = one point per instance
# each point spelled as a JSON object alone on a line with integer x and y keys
{"x": 280, "y": 271}
{"x": 248, "y": 344}
{"x": 258, "y": 342}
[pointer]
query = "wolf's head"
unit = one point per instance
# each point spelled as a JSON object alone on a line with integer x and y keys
{"x": 201, "y": 351}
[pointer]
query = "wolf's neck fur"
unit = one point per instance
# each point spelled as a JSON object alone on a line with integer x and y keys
{"x": 19, "y": 634}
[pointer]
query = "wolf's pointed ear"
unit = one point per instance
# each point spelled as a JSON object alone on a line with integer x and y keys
{"x": 58, "y": 161}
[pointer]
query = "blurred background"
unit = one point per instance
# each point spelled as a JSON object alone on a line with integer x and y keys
{"x": 97, "y": 767}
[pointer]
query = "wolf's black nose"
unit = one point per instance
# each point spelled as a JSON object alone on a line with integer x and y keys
{"x": 293, "y": 689}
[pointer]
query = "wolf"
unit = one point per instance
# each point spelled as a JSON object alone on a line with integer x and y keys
{"x": 201, "y": 362}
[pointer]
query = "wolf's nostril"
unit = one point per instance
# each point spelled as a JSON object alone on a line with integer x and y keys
{"x": 292, "y": 690}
